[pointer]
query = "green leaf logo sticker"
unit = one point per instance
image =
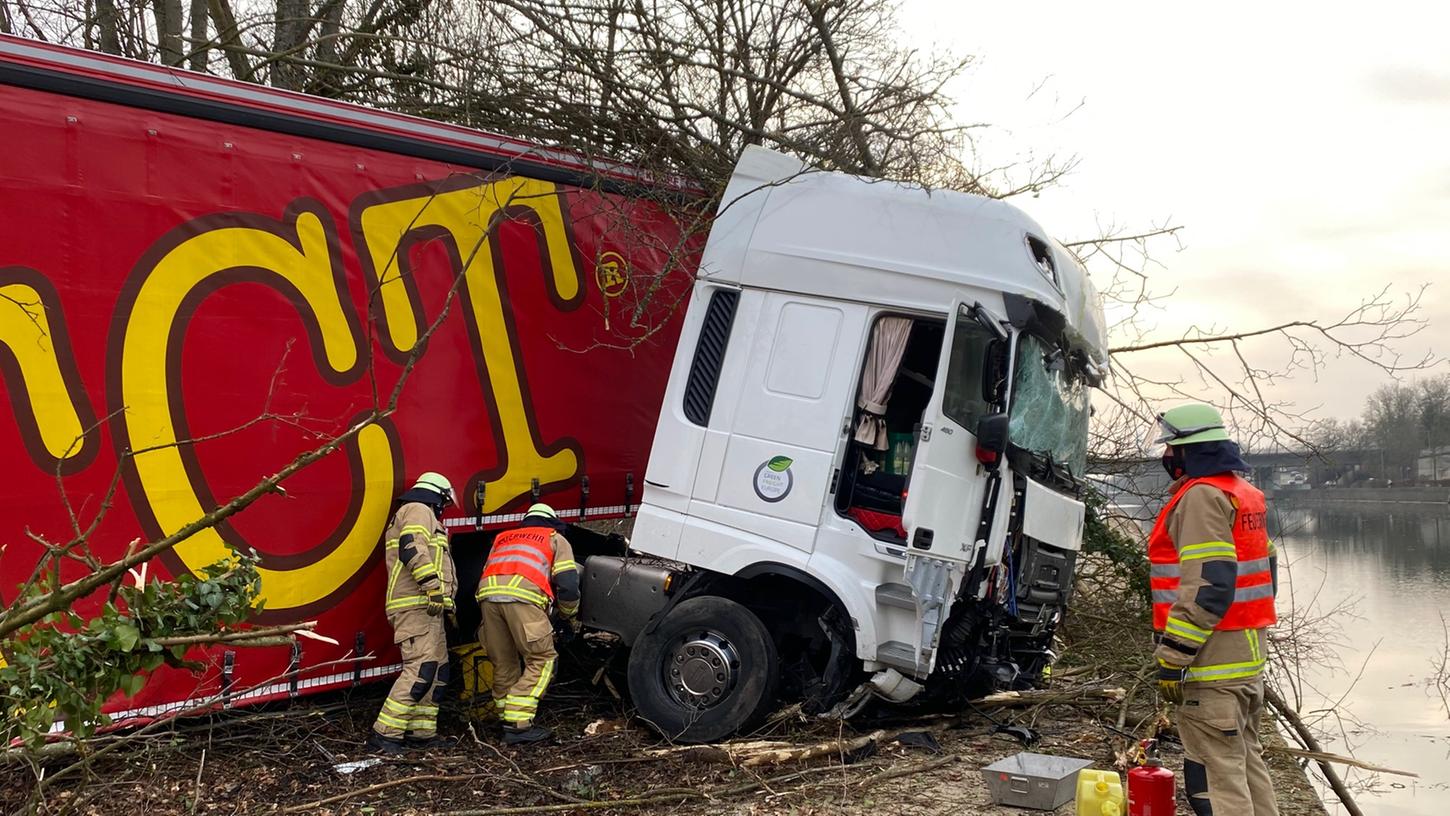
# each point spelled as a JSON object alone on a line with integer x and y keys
{"x": 773, "y": 479}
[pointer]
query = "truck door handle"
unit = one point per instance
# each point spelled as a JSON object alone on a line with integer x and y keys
{"x": 922, "y": 539}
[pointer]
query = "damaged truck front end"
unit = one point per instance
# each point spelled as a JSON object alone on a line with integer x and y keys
{"x": 865, "y": 480}
{"x": 1000, "y": 632}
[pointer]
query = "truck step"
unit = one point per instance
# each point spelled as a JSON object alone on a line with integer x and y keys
{"x": 896, "y": 595}
{"x": 902, "y": 656}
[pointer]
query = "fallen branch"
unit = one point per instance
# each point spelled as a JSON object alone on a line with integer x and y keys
{"x": 1033, "y": 697}
{"x": 312, "y": 806}
{"x": 674, "y": 795}
{"x": 616, "y": 761}
{"x": 924, "y": 767}
{"x": 270, "y": 634}
{"x": 780, "y": 756}
{"x": 775, "y": 752}
{"x": 664, "y": 797}
{"x": 1307, "y": 738}
{"x": 1325, "y": 756}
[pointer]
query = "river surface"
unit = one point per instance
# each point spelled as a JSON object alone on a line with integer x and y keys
{"x": 1387, "y": 567}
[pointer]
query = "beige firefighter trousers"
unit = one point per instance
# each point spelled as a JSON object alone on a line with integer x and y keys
{"x": 1219, "y": 727}
{"x": 412, "y": 704}
{"x": 519, "y": 639}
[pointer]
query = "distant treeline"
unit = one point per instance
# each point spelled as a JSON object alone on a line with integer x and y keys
{"x": 1400, "y": 419}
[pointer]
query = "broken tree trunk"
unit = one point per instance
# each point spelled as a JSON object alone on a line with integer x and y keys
{"x": 1307, "y": 737}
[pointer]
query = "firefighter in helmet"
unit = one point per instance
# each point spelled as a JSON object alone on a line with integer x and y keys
{"x": 421, "y": 584}
{"x": 529, "y": 569}
{"x": 1214, "y": 577}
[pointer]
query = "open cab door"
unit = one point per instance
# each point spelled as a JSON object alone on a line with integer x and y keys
{"x": 945, "y": 496}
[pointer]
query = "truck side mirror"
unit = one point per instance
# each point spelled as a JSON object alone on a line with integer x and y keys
{"x": 991, "y": 438}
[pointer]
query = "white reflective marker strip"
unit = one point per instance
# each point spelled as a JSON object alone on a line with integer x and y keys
{"x": 1257, "y": 592}
{"x": 510, "y": 518}
{"x": 1255, "y": 565}
{"x": 145, "y": 712}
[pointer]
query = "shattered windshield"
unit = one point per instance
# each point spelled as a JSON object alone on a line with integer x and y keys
{"x": 1049, "y": 409}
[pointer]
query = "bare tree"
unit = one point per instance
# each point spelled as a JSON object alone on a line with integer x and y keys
{"x": 168, "y": 30}
{"x": 196, "y": 60}
{"x": 1237, "y": 368}
{"x": 676, "y": 86}
{"x": 229, "y": 38}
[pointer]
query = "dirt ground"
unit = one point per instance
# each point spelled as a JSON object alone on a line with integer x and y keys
{"x": 286, "y": 759}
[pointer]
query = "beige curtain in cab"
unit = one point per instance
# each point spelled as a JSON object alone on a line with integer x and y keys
{"x": 888, "y": 343}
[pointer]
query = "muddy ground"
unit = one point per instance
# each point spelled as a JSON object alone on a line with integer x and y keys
{"x": 285, "y": 759}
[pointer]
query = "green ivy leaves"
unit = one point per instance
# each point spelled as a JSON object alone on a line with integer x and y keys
{"x": 125, "y": 635}
{"x": 66, "y": 666}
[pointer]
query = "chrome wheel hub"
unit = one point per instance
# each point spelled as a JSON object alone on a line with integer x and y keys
{"x": 702, "y": 669}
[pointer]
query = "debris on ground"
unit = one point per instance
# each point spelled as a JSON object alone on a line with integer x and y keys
{"x": 310, "y": 759}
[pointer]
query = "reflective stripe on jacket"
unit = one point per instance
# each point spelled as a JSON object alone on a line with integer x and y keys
{"x": 1246, "y": 551}
{"x": 415, "y": 549}
{"x": 1213, "y": 581}
{"x": 525, "y": 557}
{"x": 533, "y": 564}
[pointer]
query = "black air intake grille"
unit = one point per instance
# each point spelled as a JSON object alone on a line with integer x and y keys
{"x": 710, "y": 356}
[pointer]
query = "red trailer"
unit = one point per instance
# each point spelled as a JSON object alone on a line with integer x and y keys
{"x": 215, "y": 276}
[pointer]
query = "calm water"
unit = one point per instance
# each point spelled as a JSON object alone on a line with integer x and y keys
{"x": 1392, "y": 563}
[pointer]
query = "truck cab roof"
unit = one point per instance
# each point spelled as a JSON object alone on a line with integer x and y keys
{"x": 784, "y": 226}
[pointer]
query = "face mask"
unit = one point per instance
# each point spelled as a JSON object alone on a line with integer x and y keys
{"x": 1172, "y": 464}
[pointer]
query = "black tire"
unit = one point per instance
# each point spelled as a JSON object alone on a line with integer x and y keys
{"x": 752, "y": 687}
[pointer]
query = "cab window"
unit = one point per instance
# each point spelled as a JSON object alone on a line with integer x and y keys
{"x": 971, "y": 381}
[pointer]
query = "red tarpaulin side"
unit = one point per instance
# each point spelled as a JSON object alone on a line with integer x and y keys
{"x": 196, "y": 279}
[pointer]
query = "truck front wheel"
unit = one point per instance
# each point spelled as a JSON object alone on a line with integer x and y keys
{"x": 707, "y": 671}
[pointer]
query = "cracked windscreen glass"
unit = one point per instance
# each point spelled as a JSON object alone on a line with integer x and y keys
{"x": 1049, "y": 410}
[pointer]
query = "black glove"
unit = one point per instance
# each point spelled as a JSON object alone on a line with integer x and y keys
{"x": 563, "y": 631}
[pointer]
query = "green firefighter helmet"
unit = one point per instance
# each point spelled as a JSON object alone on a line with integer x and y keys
{"x": 541, "y": 510}
{"x": 1194, "y": 422}
{"x": 438, "y": 483}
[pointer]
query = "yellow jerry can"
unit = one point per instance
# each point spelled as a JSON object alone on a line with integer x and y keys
{"x": 1099, "y": 793}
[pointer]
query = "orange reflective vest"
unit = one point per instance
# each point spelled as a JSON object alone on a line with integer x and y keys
{"x": 527, "y": 552}
{"x": 1253, "y": 603}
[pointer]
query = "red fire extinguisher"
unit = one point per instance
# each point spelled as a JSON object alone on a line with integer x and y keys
{"x": 1150, "y": 785}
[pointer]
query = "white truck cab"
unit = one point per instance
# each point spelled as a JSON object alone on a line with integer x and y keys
{"x": 868, "y": 461}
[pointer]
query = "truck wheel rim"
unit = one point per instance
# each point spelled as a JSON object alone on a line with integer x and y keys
{"x": 701, "y": 669}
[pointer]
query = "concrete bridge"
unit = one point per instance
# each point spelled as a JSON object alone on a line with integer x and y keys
{"x": 1273, "y": 467}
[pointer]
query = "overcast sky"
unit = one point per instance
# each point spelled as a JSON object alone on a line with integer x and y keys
{"x": 1306, "y": 151}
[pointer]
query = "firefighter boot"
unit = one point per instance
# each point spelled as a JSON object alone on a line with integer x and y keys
{"x": 384, "y": 745}
{"x": 525, "y": 736}
{"x": 429, "y": 743}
